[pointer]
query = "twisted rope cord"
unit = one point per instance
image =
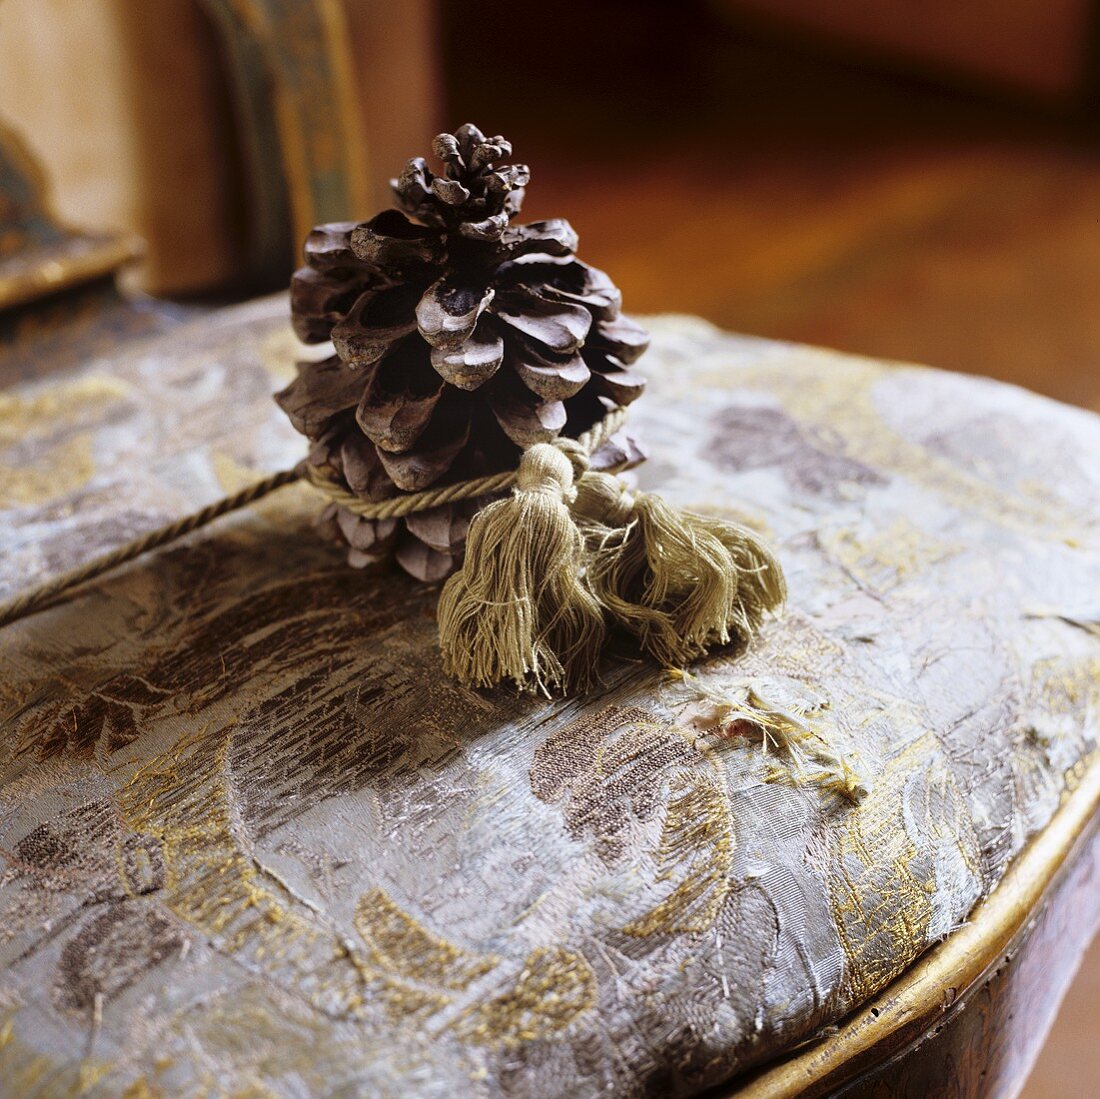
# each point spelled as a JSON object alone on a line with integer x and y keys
{"x": 399, "y": 506}
{"x": 44, "y": 594}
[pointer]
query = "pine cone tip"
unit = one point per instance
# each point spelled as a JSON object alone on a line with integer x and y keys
{"x": 475, "y": 196}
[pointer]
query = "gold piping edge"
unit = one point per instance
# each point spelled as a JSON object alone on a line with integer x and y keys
{"x": 56, "y": 272}
{"x": 917, "y": 997}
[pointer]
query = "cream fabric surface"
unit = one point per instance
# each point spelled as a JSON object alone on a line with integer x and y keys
{"x": 251, "y": 841}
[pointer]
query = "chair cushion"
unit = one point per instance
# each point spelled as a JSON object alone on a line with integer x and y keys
{"x": 251, "y": 838}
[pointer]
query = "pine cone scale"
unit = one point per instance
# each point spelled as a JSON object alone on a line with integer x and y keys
{"x": 527, "y": 423}
{"x": 319, "y": 300}
{"x": 553, "y": 381}
{"x": 413, "y": 470}
{"x": 320, "y": 393}
{"x": 391, "y": 241}
{"x": 555, "y": 237}
{"x": 472, "y": 364}
{"x": 395, "y": 421}
{"x": 329, "y": 246}
{"x": 561, "y": 327}
{"x": 447, "y": 313}
{"x": 377, "y": 320}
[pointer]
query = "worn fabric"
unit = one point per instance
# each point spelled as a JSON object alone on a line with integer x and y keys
{"x": 252, "y": 841}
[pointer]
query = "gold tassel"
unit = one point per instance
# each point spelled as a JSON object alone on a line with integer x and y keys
{"x": 761, "y": 587}
{"x": 520, "y": 608}
{"x": 546, "y": 567}
{"x": 680, "y": 582}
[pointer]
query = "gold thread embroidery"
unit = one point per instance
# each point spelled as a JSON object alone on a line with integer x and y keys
{"x": 181, "y": 801}
{"x": 555, "y": 986}
{"x": 402, "y": 945}
{"x": 697, "y": 834}
{"x": 882, "y": 883}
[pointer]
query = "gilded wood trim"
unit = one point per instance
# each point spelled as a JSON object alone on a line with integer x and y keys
{"x": 357, "y": 155}
{"x": 39, "y": 253}
{"x": 917, "y": 1000}
{"x": 49, "y": 269}
{"x": 305, "y": 46}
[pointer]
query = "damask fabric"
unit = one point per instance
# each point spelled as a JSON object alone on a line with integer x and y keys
{"x": 252, "y": 842}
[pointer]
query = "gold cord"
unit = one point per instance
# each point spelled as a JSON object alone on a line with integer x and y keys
{"x": 411, "y": 502}
{"x": 44, "y": 594}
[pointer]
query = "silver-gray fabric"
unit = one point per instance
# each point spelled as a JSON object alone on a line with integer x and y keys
{"x": 251, "y": 840}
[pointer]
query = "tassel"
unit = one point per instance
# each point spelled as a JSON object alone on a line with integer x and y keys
{"x": 680, "y": 582}
{"x": 520, "y": 608}
{"x": 761, "y": 587}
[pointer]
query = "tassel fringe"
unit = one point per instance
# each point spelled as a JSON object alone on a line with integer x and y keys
{"x": 549, "y": 568}
{"x": 680, "y": 583}
{"x": 519, "y": 609}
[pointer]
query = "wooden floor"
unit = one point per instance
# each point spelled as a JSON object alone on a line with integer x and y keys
{"x": 783, "y": 195}
{"x": 978, "y": 259}
{"x": 778, "y": 194}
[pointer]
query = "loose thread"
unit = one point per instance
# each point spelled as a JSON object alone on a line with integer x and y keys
{"x": 794, "y": 724}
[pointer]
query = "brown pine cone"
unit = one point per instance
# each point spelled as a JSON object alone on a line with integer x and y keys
{"x": 459, "y": 340}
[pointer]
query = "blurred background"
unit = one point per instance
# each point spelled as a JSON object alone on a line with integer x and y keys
{"x": 910, "y": 180}
{"x": 918, "y": 181}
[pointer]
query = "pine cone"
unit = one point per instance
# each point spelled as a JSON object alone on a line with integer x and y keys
{"x": 459, "y": 340}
